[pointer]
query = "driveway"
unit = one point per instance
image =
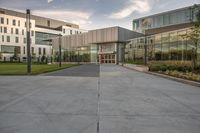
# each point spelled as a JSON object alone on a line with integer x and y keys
{"x": 118, "y": 101}
{"x": 87, "y": 70}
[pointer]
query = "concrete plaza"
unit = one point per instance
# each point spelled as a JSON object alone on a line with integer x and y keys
{"x": 117, "y": 100}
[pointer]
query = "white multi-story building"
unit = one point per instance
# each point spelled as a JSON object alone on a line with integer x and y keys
{"x": 13, "y": 34}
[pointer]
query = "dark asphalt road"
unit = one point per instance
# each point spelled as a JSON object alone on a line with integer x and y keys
{"x": 87, "y": 70}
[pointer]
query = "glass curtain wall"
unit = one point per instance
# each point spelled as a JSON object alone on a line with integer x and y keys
{"x": 164, "y": 46}
{"x": 186, "y": 15}
{"x": 77, "y": 54}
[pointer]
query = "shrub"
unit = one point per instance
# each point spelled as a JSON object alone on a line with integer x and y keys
{"x": 171, "y": 66}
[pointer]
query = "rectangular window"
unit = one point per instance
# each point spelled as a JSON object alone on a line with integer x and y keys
{"x": 14, "y": 22}
{"x": 18, "y": 23}
{"x": 2, "y": 20}
{"x": 32, "y": 50}
{"x": 8, "y": 38}
{"x": 5, "y": 29}
{"x": 64, "y": 31}
{"x": 11, "y": 30}
{"x": 25, "y": 24}
{"x": 1, "y": 29}
{"x": 10, "y": 49}
{"x": 22, "y": 32}
{"x": 24, "y": 50}
{"x": 16, "y": 31}
{"x": 48, "y": 23}
{"x": 7, "y": 21}
{"x": 70, "y": 31}
{"x": 32, "y": 33}
{"x": 2, "y": 38}
{"x": 44, "y": 51}
{"x": 17, "y": 39}
{"x": 39, "y": 51}
{"x": 24, "y": 40}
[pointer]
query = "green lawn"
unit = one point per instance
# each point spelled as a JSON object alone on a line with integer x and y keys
{"x": 21, "y": 69}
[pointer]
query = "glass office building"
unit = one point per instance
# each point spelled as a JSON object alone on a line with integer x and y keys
{"x": 163, "y": 46}
{"x": 180, "y": 16}
{"x": 163, "y": 37}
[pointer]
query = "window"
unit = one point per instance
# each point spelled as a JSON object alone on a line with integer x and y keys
{"x": 24, "y": 40}
{"x": 1, "y": 29}
{"x": 16, "y": 31}
{"x": 70, "y": 31}
{"x": 14, "y": 22}
{"x": 18, "y": 23}
{"x": 48, "y": 23}
{"x": 5, "y": 29}
{"x": 24, "y": 50}
{"x": 25, "y": 24}
{"x": 8, "y": 38}
{"x": 32, "y": 50}
{"x": 39, "y": 51}
{"x": 32, "y": 33}
{"x": 2, "y": 38}
{"x": 2, "y": 20}
{"x": 11, "y": 30}
{"x": 22, "y": 32}
{"x": 7, "y": 21}
{"x": 10, "y": 49}
{"x": 64, "y": 31}
{"x": 136, "y": 25}
{"x": 44, "y": 51}
{"x": 17, "y": 39}
{"x": 166, "y": 19}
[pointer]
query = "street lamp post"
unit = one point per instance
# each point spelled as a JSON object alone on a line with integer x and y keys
{"x": 60, "y": 52}
{"x": 28, "y": 41}
{"x": 145, "y": 50}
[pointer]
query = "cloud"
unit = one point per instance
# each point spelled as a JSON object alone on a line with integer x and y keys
{"x": 140, "y": 6}
{"x": 48, "y": 1}
{"x": 73, "y": 16}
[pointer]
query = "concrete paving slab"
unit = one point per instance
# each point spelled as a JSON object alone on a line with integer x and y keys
{"x": 128, "y": 102}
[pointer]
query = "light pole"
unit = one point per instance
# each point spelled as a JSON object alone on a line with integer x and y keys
{"x": 60, "y": 52}
{"x": 28, "y": 41}
{"x": 145, "y": 50}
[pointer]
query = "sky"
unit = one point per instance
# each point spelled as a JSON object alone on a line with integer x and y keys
{"x": 95, "y": 14}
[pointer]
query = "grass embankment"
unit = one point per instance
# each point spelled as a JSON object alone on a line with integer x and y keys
{"x": 177, "y": 69}
{"x": 21, "y": 69}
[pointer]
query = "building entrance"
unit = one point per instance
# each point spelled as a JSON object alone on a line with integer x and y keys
{"x": 107, "y": 58}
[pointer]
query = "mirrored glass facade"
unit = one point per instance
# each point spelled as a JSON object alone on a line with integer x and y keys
{"x": 163, "y": 46}
{"x": 180, "y": 16}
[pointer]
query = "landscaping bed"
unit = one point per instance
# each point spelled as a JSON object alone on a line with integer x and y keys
{"x": 177, "y": 69}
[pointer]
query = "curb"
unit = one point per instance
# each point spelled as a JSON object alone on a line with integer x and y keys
{"x": 185, "y": 81}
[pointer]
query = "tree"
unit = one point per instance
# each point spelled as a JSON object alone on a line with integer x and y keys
{"x": 194, "y": 36}
{"x": 0, "y": 55}
{"x": 16, "y": 53}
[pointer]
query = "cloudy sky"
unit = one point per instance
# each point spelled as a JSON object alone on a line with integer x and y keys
{"x": 93, "y": 14}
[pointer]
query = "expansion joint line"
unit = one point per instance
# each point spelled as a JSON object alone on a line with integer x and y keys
{"x": 98, "y": 106}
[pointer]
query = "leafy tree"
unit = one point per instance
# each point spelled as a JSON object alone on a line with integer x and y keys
{"x": 0, "y": 55}
{"x": 16, "y": 53}
{"x": 194, "y": 36}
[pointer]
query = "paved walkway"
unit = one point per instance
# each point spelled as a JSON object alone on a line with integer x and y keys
{"x": 88, "y": 70}
{"x": 119, "y": 101}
